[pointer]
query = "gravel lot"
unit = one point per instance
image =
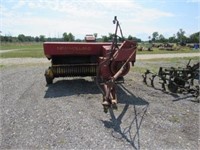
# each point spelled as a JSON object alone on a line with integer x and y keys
{"x": 69, "y": 114}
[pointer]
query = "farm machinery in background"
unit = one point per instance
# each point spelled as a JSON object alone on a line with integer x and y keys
{"x": 178, "y": 80}
{"x": 105, "y": 62}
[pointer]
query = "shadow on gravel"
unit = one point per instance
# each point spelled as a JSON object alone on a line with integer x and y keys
{"x": 126, "y": 125}
{"x": 176, "y": 96}
{"x": 128, "y": 128}
{"x": 71, "y": 87}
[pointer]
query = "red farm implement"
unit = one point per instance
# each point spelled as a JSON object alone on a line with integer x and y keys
{"x": 106, "y": 62}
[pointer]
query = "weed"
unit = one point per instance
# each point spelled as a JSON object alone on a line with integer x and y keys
{"x": 174, "y": 119}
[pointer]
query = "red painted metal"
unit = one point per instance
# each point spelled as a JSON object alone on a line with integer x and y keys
{"x": 107, "y": 67}
{"x": 108, "y": 61}
{"x": 73, "y": 48}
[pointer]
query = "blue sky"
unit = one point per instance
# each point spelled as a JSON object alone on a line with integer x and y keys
{"x": 138, "y": 18}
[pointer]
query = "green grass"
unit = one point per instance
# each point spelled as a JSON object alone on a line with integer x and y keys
{"x": 174, "y": 119}
{"x": 22, "y": 50}
{"x": 180, "y": 59}
{"x": 154, "y": 64}
{"x": 157, "y": 51}
{"x": 36, "y": 53}
{"x": 27, "y": 45}
{"x": 142, "y": 68}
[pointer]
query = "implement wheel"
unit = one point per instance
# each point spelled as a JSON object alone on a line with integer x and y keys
{"x": 49, "y": 80}
{"x": 116, "y": 65}
{"x": 49, "y": 76}
{"x": 172, "y": 87}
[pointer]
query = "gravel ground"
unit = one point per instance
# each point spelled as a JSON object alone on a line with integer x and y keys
{"x": 69, "y": 114}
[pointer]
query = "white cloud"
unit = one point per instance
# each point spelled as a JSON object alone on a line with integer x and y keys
{"x": 79, "y": 17}
{"x": 116, "y": 4}
{"x": 19, "y": 4}
{"x": 145, "y": 15}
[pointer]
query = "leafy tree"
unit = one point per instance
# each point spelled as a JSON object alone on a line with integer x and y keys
{"x": 180, "y": 35}
{"x": 37, "y": 39}
{"x": 65, "y": 36}
{"x": 194, "y": 38}
{"x": 29, "y": 38}
{"x": 78, "y": 40}
{"x": 130, "y": 37}
{"x": 68, "y": 37}
{"x": 5, "y": 38}
{"x": 49, "y": 39}
{"x": 155, "y": 36}
{"x": 71, "y": 37}
{"x": 42, "y": 38}
{"x": 172, "y": 39}
{"x": 162, "y": 38}
{"x": 149, "y": 37}
{"x": 14, "y": 39}
{"x": 21, "y": 38}
{"x": 110, "y": 36}
{"x": 105, "y": 38}
{"x": 139, "y": 40}
{"x": 95, "y": 35}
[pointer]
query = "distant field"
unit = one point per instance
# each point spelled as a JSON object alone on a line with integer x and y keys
{"x": 157, "y": 51}
{"x": 7, "y": 46}
{"x": 20, "y": 50}
{"x": 153, "y": 64}
{"x": 181, "y": 49}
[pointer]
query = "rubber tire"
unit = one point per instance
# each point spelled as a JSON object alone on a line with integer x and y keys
{"x": 49, "y": 80}
{"x": 172, "y": 87}
{"x": 116, "y": 65}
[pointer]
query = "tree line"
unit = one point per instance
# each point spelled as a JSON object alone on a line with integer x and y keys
{"x": 41, "y": 38}
{"x": 69, "y": 37}
{"x": 179, "y": 37}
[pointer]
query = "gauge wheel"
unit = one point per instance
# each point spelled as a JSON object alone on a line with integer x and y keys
{"x": 172, "y": 87}
{"x": 48, "y": 76}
